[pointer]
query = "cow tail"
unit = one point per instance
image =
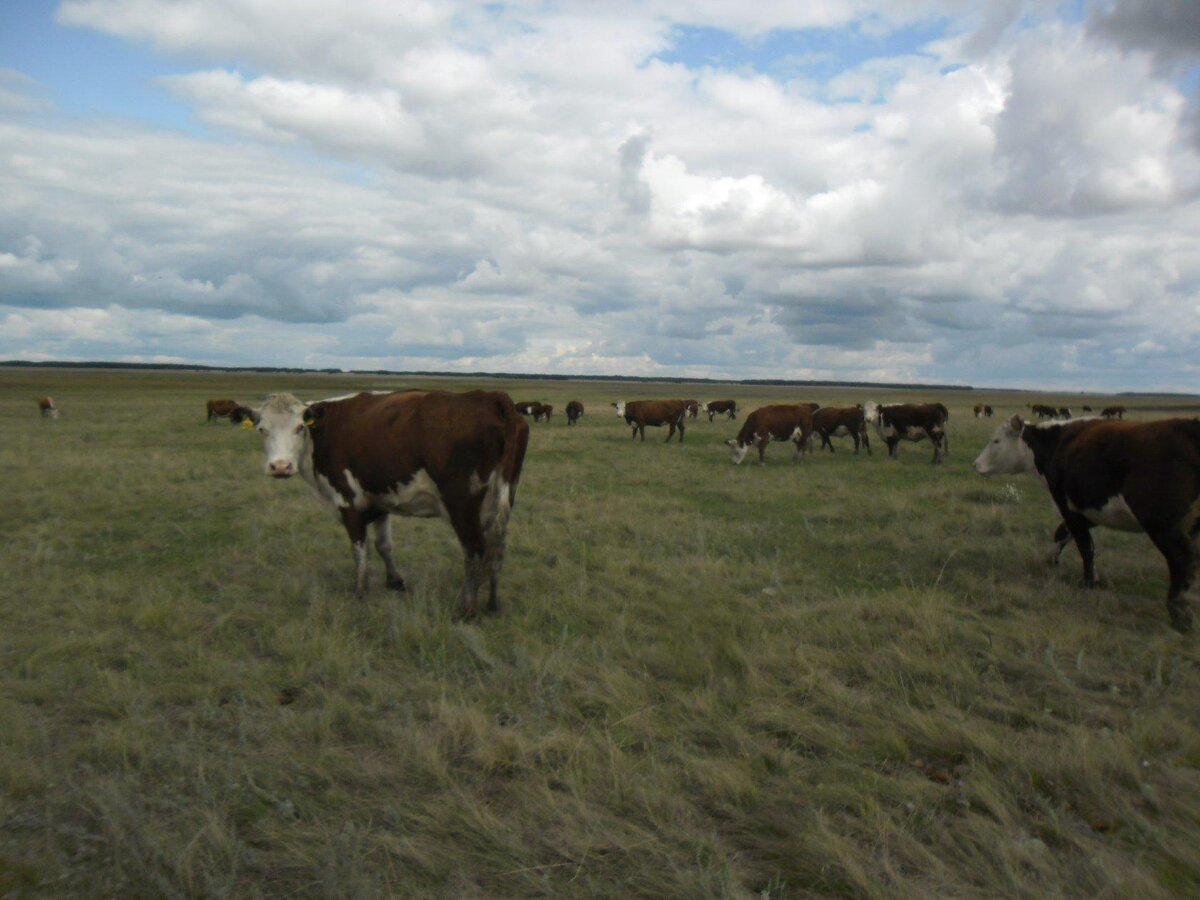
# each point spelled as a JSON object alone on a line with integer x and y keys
{"x": 516, "y": 441}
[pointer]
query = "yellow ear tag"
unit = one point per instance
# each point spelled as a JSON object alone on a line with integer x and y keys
{"x": 248, "y": 424}
{"x": 309, "y": 423}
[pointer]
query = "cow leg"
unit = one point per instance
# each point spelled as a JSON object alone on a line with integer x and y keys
{"x": 671, "y": 433}
{"x": 1062, "y": 534}
{"x": 893, "y": 445}
{"x": 936, "y": 439}
{"x": 681, "y": 430}
{"x": 798, "y": 453}
{"x": 465, "y": 517}
{"x": 1081, "y": 531}
{"x": 866, "y": 439}
{"x": 356, "y": 528}
{"x": 383, "y": 546}
{"x": 1180, "y": 553}
{"x": 762, "y": 450}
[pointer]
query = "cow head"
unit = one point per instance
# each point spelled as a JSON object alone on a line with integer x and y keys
{"x": 1006, "y": 453}
{"x": 871, "y": 411}
{"x": 619, "y": 406}
{"x": 284, "y": 423}
{"x": 737, "y": 451}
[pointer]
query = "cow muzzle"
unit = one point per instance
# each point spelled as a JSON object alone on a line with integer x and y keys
{"x": 281, "y": 468}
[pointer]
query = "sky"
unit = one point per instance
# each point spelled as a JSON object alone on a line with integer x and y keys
{"x": 988, "y": 192}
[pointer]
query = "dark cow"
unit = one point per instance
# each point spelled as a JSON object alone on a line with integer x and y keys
{"x": 47, "y": 408}
{"x": 1113, "y": 412}
{"x": 574, "y": 412}
{"x": 1042, "y": 411}
{"x": 220, "y": 409}
{"x": 898, "y": 422}
{"x": 983, "y": 411}
{"x": 781, "y": 422}
{"x": 526, "y": 407}
{"x": 717, "y": 407}
{"x": 1064, "y": 412}
{"x": 693, "y": 408}
{"x": 1133, "y": 476}
{"x": 841, "y": 421}
{"x": 1087, "y": 409}
{"x": 655, "y": 413}
{"x": 988, "y": 412}
{"x": 412, "y": 453}
{"x": 542, "y": 411}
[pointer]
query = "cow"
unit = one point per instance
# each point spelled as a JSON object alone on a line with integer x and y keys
{"x": 978, "y": 410}
{"x": 1064, "y": 412}
{"x": 781, "y": 422}
{"x": 898, "y": 422}
{"x": 1132, "y": 476}
{"x": 843, "y": 421}
{"x": 983, "y": 411}
{"x": 47, "y": 408}
{"x": 542, "y": 411}
{"x": 988, "y": 412}
{"x": 1042, "y": 411}
{"x": 655, "y": 413}
{"x": 409, "y": 453}
{"x": 716, "y": 407}
{"x": 574, "y": 412}
{"x": 526, "y": 407}
{"x": 1087, "y": 409}
{"x": 693, "y": 408}
{"x": 1113, "y": 412}
{"x": 220, "y": 409}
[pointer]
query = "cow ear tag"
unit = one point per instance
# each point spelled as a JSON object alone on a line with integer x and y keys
{"x": 310, "y": 422}
{"x": 248, "y": 424}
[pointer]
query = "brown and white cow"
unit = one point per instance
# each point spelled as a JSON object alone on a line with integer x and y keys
{"x": 896, "y": 422}
{"x": 982, "y": 411}
{"x": 841, "y": 421}
{"x": 47, "y": 408}
{"x": 220, "y": 409}
{"x": 1042, "y": 411}
{"x": 693, "y": 408}
{"x": 411, "y": 453}
{"x": 1064, "y": 412}
{"x": 655, "y": 413}
{"x": 1132, "y": 476}
{"x": 715, "y": 408}
{"x": 574, "y": 412}
{"x": 526, "y": 407}
{"x": 1113, "y": 412}
{"x": 780, "y": 422}
{"x": 541, "y": 411}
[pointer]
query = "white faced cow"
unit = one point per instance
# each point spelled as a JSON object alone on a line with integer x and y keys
{"x": 898, "y": 422}
{"x": 1132, "y": 476}
{"x": 413, "y": 453}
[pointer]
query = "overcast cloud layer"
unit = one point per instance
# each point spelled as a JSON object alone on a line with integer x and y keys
{"x": 1001, "y": 193}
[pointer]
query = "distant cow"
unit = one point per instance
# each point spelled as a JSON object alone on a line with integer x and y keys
{"x": 413, "y": 453}
{"x": 898, "y": 422}
{"x": 715, "y": 408}
{"x": 1064, "y": 412}
{"x": 781, "y": 422}
{"x": 526, "y": 407}
{"x": 220, "y": 409}
{"x": 841, "y": 421}
{"x": 574, "y": 412}
{"x": 982, "y": 411}
{"x": 47, "y": 408}
{"x": 1042, "y": 411}
{"x": 542, "y": 411}
{"x": 1132, "y": 476}
{"x": 655, "y": 413}
{"x": 1113, "y": 412}
{"x": 693, "y": 408}
{"x": 1086, "y": 409}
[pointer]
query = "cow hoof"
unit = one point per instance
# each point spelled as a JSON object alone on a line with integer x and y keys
{"x": 397, "y": 584}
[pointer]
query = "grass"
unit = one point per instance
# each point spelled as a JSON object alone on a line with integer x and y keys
{"x": 851, "y": 677}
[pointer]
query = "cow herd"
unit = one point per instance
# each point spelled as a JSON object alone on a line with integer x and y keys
{"x": 458, "y": 456}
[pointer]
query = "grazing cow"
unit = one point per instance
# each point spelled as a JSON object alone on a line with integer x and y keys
{"x": 1064, "y": 412}
{"x": 693, "y": 408}
{"x": 983, "y": 411}
{"x": 843, "y": 421}
{"x": 47, "y": 408}
{"x": 782, "y": 422}
{"x": 526, "y": 407}
{"x": 655, "y": 413}
{"x": 412, "y": 453}
{"x": 574, "y": 412}
{"x": 1042, "y": 411}
{"x": 1133, "y": 476}
{"x": 542, "y": 411}
{"x": 1113, "y": 412}
{"x": 220, "y": 409}
{"x": 716, "y": 407}
{"x": 898, "y": 422}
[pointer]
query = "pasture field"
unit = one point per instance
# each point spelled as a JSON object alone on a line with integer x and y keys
{"x": 852, "y": 677}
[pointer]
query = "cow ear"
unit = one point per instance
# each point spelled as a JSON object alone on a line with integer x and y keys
{"x": 1015, "y": 425}
{"x": 313, "y": 415}
{"x": 245, "y": 415}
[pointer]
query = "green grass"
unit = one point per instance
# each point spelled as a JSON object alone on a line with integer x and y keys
{"x": 850, "y": 677}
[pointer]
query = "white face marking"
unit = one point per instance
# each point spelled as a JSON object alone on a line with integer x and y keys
{"x": 737, "y": 452}
{"x": 620, "y": 404}
{"x": 1005, "y": 453}
{"x": 1115, "y": 513}
{"x": 285, "y": 437}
